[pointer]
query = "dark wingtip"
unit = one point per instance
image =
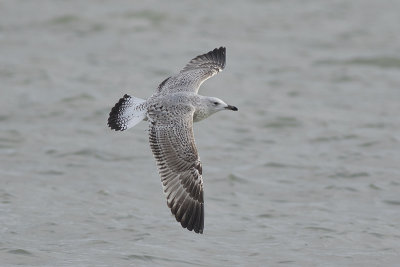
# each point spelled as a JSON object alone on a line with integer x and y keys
{"x": 192, "y": 217}
{"x": 220, "y": 55}
{"x": 215, "y": 58}
{"x": 195, "y": 224}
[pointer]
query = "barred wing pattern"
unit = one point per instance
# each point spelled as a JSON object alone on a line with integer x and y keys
{"x": 195, "y": 73}
{"x": 172, "y": 142}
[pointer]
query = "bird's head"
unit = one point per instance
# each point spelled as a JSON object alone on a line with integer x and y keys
{"x": 215, "y": 104}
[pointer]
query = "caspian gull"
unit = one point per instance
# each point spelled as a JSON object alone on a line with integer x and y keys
{"x": 171, "y": 111}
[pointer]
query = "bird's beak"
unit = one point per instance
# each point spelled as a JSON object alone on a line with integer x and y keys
{"x": 231, "y": 108}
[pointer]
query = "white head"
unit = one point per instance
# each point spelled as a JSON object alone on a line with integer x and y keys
{"x": 210, "y": 105}
{"x": 215, "y": 104}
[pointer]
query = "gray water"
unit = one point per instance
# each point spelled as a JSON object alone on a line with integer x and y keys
{"x": 305, "y": 174}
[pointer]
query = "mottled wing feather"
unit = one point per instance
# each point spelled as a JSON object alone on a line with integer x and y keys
{"x": 172, "y": 142}
{"x": 195, "y": 72}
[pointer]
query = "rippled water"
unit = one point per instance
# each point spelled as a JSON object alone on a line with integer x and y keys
{"x": 305, "y": 174}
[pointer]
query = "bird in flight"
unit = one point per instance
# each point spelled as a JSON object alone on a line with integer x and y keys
{"x": 171, "y": 111}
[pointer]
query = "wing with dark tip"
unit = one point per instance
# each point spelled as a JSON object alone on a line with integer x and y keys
{"x": 173, "y": 146}
{"x": 195, "y": 72}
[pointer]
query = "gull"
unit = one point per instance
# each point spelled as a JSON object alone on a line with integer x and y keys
{"x": 171, "y": 112}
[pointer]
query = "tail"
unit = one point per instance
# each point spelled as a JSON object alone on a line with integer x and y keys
{"x": 128, "y": 112}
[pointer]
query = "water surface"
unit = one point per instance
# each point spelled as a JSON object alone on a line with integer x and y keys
{"x": 305, "y": 174}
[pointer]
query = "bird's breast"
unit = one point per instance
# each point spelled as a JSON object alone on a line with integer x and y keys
{"x": 199, "y": 115}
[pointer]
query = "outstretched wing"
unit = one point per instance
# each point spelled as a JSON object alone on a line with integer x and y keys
{"x": 195, "y": 72}
{"x": 172, "y": 142}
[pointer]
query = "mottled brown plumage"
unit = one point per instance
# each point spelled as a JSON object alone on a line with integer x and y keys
{"x": 171, "y": 112}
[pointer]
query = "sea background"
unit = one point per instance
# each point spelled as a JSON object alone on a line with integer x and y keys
{"x": 306, "y": 173}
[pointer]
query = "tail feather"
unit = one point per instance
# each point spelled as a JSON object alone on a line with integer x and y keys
{"x": 128, "y": 112}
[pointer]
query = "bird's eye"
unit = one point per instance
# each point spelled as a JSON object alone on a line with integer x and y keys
{"x": 215, "y": 103}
